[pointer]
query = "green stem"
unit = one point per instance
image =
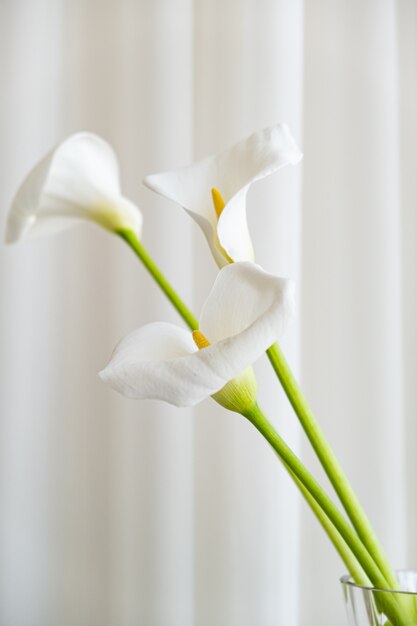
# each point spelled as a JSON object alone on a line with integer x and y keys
{"x": 260, "y": 421}
{"x": 345, "y": 553}
{"x": 138, "y": 248}
{"x": 399, "y": 609}
{"x": 330, "y": 464}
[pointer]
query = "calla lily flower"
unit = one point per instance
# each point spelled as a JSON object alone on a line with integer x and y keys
{"x": 79, "y": 179}
{"x": 213, "y": 191}
{"x": 246, "y": 311}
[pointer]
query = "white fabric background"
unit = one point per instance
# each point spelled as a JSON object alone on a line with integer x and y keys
{"x": 116, "y": 513}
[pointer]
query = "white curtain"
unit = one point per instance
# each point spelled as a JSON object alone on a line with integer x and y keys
{"x": 117, "y": 513}
{"x": 359, "y": 266}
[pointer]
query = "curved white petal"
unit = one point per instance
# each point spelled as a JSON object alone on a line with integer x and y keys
{"x": 161, "y": 361}
{"x": 149, "y": 363}
{"x": 244, "y": 301}
{"x": 232, "y": 172}
{"x": 79, "y": 179}
{"x": 232, "y": 229}
{"x": 210, "y": 234}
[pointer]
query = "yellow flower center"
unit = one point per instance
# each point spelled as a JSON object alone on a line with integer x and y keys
{"x": 200, "y": 340}
{"x": 219, "y": 205}
{"x": 218, "y": 201}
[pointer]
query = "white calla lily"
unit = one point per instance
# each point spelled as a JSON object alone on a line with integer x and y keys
{"x": 246, "y": 311}
{"x": 223, "y": 180}
{"x": 79, "y": 179}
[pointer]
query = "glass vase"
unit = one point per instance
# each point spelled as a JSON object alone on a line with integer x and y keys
{"x": 367, "y": 606}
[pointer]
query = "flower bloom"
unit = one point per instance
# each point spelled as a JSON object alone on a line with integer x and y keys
{"x": 246, "y": 311}
{"x": 79, "y": 179}
{"x": 213, "y": 191}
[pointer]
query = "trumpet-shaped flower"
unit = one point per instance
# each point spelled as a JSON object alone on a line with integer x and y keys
{"x": 79, "y": 179}
{"x": 213, "y": 191}
{"x": 246, "y": 311}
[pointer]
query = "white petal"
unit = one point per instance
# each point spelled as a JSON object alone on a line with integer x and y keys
{"x": 79, "y": 179}
{"x": 232, "y": 229}
{"x": 244, "y": 301}
{"x": 210, "y": 233}
{"x": 262, "y": 154}
{"x": 161, "y": 361}
{"x": 232, "y": 172}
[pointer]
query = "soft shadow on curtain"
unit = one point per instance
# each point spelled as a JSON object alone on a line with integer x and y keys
{"x": 116, "y": 513}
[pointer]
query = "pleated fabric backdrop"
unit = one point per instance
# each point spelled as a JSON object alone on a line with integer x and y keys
{"x": 118, "y": 513}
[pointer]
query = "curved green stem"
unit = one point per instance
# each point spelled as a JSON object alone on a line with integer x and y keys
{"x": 261, "y": 423}
{"x": 399, "y": 610}
{"x": 138, "y": 248}
{"x": 340, "y": 545}
{"x": 330, "y": 464}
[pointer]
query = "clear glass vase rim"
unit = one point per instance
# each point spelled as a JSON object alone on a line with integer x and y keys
{"x": 347, "y": 580}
